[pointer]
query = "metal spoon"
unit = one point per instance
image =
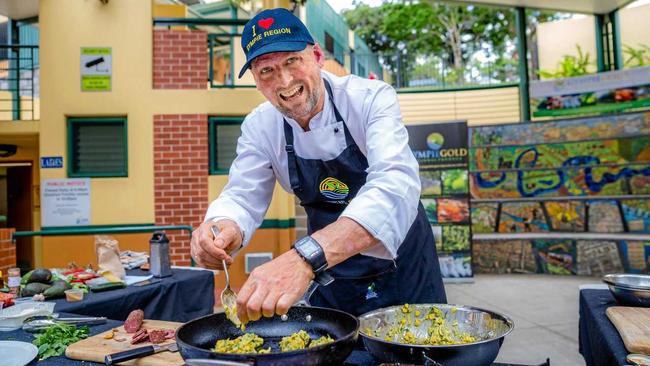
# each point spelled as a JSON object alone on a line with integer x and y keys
{"x": 228, "y": 296}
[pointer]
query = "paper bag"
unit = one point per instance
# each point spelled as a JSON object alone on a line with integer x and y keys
{"x": 108, "y": 256}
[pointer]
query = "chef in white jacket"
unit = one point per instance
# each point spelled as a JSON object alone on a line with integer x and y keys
{"x": 337, "y": 143}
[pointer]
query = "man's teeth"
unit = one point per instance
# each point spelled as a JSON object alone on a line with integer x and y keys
{"x": 290, "y": 93}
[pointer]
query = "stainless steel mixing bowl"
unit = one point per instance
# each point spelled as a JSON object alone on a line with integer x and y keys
{"x": 488, "y": 327}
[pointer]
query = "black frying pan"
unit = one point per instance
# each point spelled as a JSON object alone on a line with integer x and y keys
{"x": 197, "y": 337}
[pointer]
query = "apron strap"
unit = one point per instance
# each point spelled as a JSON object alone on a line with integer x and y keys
{"x": 348, "y": 137}
{"x": 291, "y": 158}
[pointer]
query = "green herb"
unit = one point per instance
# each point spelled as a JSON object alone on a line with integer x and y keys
{"x": 54, "y": 339}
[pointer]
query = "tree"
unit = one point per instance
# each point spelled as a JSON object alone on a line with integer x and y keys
{"x": 452, "y": 33}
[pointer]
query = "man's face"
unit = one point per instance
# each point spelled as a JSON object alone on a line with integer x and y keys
{"x": 291, "y": 81}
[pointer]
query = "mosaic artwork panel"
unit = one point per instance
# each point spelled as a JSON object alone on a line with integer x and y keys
{"x": 637, "y": 214}
{"x": 566, "y": 215}
{"x": 595, "y": 152}
{"x": 587, "y": 181}
{"x": 519, "y": 217}
{"x": 555, "y": 257}
{"x": 590, "y": 128}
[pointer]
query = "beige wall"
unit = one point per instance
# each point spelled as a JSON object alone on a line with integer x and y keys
{"x": 635, "y": 26}
{"x": 128, "y": 200}
{"x": 559, "y": 38}
{"x": 481, "y": 106}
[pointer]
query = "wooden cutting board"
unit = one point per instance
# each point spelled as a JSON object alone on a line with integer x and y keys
{"x": 96, "y": 347}
{"x": 633, "y": 324}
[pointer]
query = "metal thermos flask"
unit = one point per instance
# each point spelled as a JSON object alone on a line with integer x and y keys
{"x": 159, "y": 259}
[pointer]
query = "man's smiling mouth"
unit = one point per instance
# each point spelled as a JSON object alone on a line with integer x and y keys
{"x": 291, "y": 94}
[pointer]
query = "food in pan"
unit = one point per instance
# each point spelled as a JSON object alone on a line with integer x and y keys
{"x": 252, "y": 343}
{"x": 421, "y": 328}
{"x": 321, "y": 341}
{"x": 247, "y": 343}
{"x": 296, "y": 341}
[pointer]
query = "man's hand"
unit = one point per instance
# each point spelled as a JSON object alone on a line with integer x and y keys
{"x": 274, "y": 287}
{"x": 208, "y": 251}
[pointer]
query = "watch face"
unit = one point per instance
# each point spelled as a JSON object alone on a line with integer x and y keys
{"x": 308, "y": 247}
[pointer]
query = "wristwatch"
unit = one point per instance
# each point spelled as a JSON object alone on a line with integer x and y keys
{"x": 312, "y": 253}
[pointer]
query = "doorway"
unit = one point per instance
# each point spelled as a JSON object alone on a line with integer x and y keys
{"x": 16, "y": 207}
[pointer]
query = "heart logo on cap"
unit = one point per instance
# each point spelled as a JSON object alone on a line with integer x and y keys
{"x": 265, "y": 23}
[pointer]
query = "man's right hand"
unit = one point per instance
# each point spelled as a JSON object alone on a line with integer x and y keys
{"x": 208, "y": 251}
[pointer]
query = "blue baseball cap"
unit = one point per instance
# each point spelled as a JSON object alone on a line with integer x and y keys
{"x": 273, "y": 30}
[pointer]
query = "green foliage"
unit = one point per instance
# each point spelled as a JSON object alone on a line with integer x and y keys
{"x": 570, "y": 66}
{"x": 637, "y": 57}
{"x": 53, "y": 340}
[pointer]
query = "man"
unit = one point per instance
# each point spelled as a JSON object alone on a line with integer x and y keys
{"x": 339, "y": 145}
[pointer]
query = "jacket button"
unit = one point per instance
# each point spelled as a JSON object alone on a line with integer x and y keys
{"x": 336, "y": 129}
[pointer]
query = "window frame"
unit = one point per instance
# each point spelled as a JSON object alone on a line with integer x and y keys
{"x": 213, "y": 121}
{"x": 72, "y": 122}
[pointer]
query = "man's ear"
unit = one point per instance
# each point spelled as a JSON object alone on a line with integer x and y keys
{"x": 319, "y": 54}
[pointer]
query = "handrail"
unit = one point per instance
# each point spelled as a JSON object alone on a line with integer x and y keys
{"x": 562, "y": 235}
{"x": 198, "y": 21}
{"x": 109, "y": 230}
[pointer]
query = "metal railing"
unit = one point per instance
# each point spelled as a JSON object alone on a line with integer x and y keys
{"x": 19, "y": 82}
{"x": 430, "y": 72}
{"x": 100, "y": 230}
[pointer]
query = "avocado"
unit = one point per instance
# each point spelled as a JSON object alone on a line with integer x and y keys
{"x": 26, "y": 276}
{"x": 35, "y": 288}
{"x": 54, "y": 292}
{"x": 41, "y": 275}
{"x": 62, "y": 283}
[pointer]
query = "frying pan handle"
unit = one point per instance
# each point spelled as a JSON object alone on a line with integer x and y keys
{"x": 129, "y": 355}
{"x": 305, "y": 298}
{"x": 428, "y": 361}
{"x": 207, "y": 362}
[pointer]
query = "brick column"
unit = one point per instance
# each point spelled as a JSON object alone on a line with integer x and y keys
{"x": 7, "y": 251}
{"x": 180, "y": 59}
{"x": 180, "y": 176}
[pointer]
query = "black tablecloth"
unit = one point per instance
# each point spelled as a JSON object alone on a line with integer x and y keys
{"x": 357, "y": 358}
{"x": 600, "y": 343}
{"x": 186, "y": 295}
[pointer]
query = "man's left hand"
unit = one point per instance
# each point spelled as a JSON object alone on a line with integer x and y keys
{"x": 274, "y": 287}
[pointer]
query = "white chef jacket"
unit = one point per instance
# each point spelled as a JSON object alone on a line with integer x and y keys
{"x": 386, "y": 205}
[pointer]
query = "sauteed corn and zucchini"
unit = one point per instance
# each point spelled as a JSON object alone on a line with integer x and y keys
{"x": 252, "y": 343}
{"x": 418, "y": 327}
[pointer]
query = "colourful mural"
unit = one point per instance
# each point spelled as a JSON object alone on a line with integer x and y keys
{"x": 534, "y": 177}
{"x": 570, "y": 154}
{"x": 591, "y": 128}
{"x": 453, "y": 210}
{"x": 455, "y": 238}
{"x": 456, "y": 265}
{"x": 587, "y": 181}
{"x": 431, "y": 182}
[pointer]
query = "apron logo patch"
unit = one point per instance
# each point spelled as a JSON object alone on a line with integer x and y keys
{"x": 333, "y": 189}
{"x": 371, "y": 293}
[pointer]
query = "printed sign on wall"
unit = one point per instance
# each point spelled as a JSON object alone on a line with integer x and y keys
{"x": 65, "y": 202}
{"x": 96, "y": 68}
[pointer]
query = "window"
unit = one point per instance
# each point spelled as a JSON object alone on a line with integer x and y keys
{"x": 224, "y": 132}
{"x": 97, "y": 147}
{"x": 329, "y": 43}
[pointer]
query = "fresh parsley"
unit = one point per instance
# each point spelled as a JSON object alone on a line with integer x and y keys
{"x": 54, "y": 339}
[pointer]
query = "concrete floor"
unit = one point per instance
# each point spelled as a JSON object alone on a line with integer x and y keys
{"x": 544, "y": 309}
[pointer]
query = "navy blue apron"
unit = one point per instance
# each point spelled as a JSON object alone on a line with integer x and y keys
{"x": 362, "y": 283}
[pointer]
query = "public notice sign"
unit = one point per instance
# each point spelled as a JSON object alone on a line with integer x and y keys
{"x": 96, "y": 68}
{"x": 65, "y": 202}
{"x": 441, "y": 151}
